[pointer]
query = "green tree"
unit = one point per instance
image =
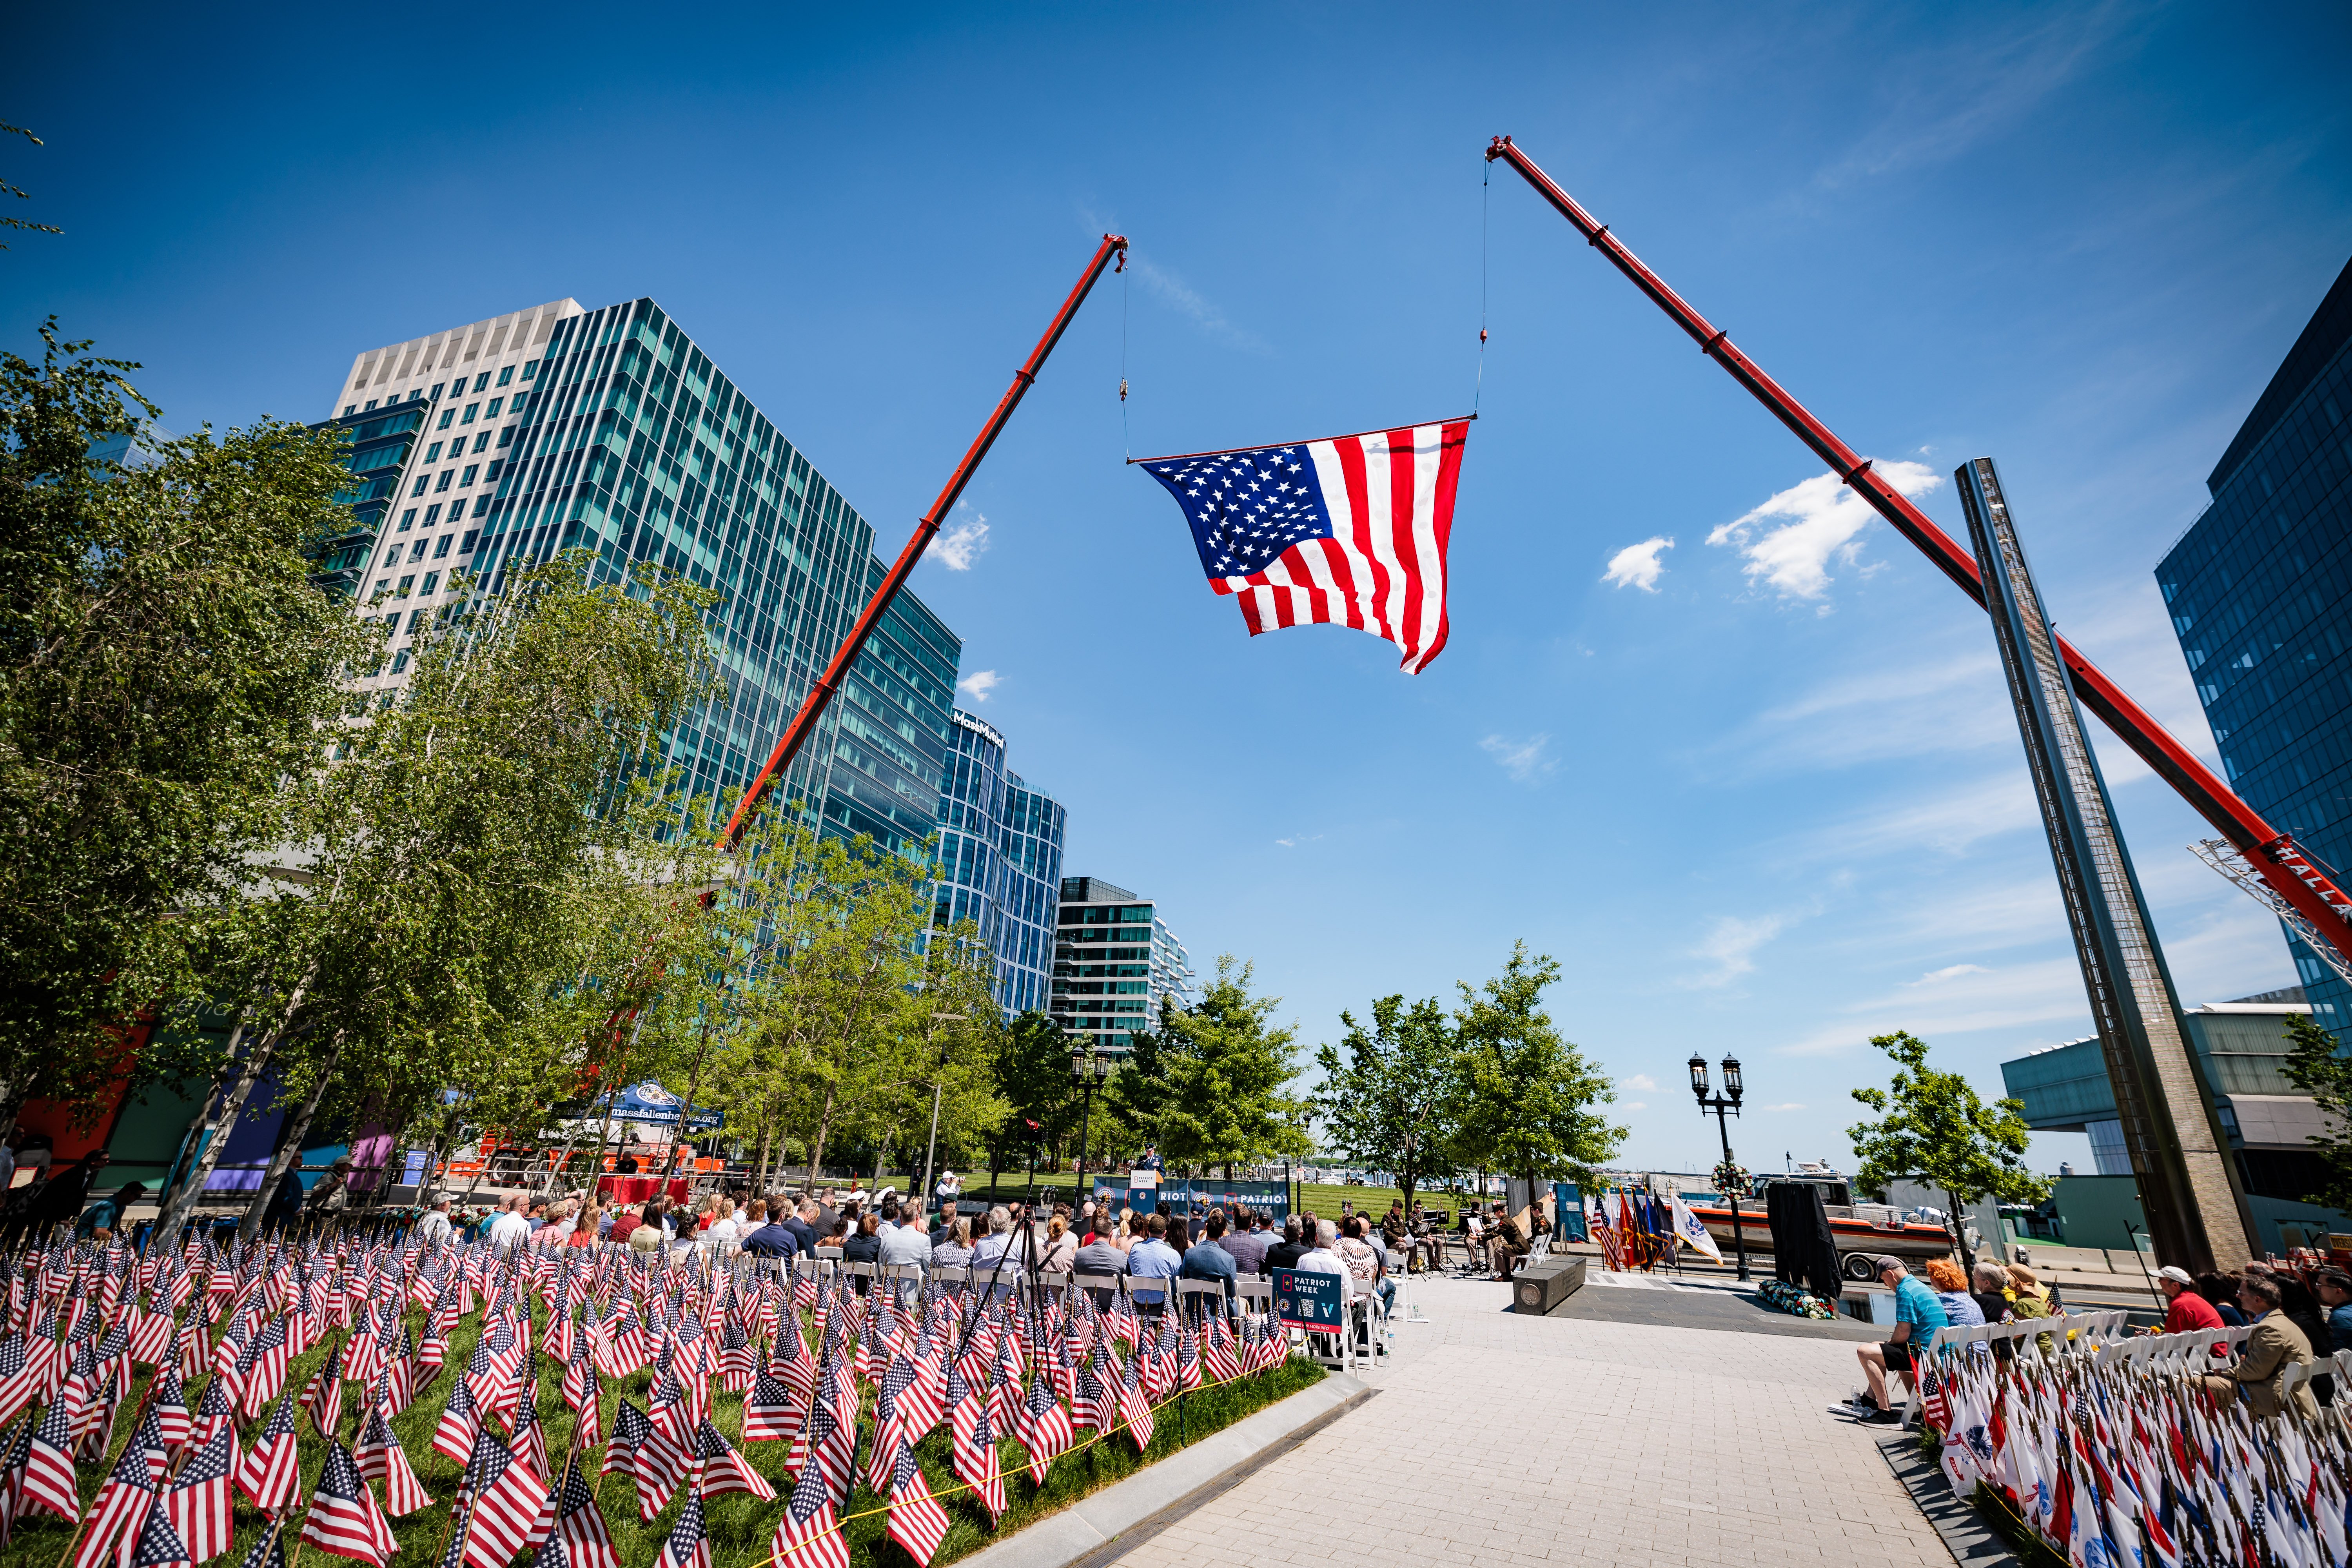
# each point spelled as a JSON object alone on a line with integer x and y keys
{"x": 9, "y": 220}
{"x": 1385, "y": 1103}
{"x": 467, "y": 854}
{"x": 1034, "y": 1076}
{"x": 1209, "y": 1085}
{"x": 2315, "y": 1065}
{"x": 165, "y": 665}
{"x": 1525, "y": 1101}
{"x": 1933, "y": 1128}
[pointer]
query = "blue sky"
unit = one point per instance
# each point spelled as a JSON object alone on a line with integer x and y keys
{"x": 1768, "y": 797}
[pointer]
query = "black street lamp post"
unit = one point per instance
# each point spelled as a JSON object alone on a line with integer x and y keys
{"x": 1087, "y": 1068}
{"x": 1726, "y": 1103}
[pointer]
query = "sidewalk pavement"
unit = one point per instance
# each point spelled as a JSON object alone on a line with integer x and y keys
{"x": 1505, "y": 1440}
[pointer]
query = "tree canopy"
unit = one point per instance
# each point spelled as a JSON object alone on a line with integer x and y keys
{"x": 1210, "y": 1085}
{"x": 165, "y": 669}
{"x": 1525, "y": 1100}
{"x": 1933, "y": 1127}
{"x": 2316, "y": 1065}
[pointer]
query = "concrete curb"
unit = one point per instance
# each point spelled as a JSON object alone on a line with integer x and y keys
{"x": 1106, "y": 1524}
{"x": 1965, "y": 1533}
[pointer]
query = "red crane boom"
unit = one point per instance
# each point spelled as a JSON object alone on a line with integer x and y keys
{"x": 804, "y": 721}
{"x": 2285, "y": 869}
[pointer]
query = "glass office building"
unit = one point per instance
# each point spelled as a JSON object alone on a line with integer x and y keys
{"x": 1116, "y": 961}
{"x": 2260, "y": 590}
{"x": 1000, "y": 861}
{"x": 506, "y": 440}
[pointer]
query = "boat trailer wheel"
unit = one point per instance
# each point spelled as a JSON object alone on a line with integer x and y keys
{"x": 1859, "y": 1266}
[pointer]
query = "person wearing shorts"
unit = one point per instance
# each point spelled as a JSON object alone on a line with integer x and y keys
{"x": 1917, "y": 1316}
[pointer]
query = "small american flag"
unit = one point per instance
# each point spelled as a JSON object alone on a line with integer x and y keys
{"x": 918, "y": 1522}
{"x": 49, "y": 1476}
{"x": 807, "y": 1535}
{"x": 1046, "y": 1429}
{"x": 269, "y": 1475}
{"x": 579, "y": 1525}
{"x": 689, "y": 1545}
{"x": 343, "y": 1519}
{"x": 725, "y": 1470}
{"x": 506, "y": 1500}
{"x": 381, "y": 1459}
{"x": 198, "y": 1499}
{"x": 159, "y": 1546}
{"x": 1350, "y": 530}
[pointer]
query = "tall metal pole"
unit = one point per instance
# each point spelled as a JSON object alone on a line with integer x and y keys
{"x": 1738, "y": 1235}
{"x": 2285, "y": 869}
{"x": 804, "y": 721}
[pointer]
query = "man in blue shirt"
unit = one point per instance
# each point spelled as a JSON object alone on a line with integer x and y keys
{"x": 774, "y": 1239}
{"x": 1207, "y": 1258}
{"x": 1917, "y": 1316}
{"x": 1153, "y": 1259}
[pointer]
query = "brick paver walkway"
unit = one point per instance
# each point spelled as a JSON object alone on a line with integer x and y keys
{"x": 1503, "y": 1440}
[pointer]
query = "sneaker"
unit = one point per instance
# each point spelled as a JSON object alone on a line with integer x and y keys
{"x": 1881, "y": 1418}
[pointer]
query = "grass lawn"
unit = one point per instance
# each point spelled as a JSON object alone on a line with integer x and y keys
{"x": 740, "y": 1527}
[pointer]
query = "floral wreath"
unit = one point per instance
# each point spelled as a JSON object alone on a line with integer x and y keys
{"x": 1731, "y": 1179}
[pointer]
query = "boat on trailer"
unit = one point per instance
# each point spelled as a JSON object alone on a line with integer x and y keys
{"x": 1862, "y": 1232}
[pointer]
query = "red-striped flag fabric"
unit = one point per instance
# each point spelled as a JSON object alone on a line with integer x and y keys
{"x": 269, "y": 1475}
{"x": 381, "y": 1459}
{"x": 507, "y": 1499}
{"x": 1350, "y": 530}
{"x": 689, "y": 1545}
{"x": 808, "y": 1536}
{"x": 1045, "y": 1430}
{"x": 48, "y": 1477}
{"x": 343, "y": 1519}
{"x": 198, "y": 1498}
{"x": 918, "y": 1522}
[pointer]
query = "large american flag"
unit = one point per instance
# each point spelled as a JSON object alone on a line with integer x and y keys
{"x": 1350, "y": 530}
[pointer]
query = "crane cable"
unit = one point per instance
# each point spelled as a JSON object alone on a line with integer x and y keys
{"x": 1485, "y": 185}
{"x": 1126, "y": 288}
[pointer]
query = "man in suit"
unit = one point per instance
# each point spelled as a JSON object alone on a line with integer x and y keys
{"x": 2271, "y": 1349}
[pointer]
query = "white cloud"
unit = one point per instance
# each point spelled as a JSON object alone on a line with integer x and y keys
{"x": 1189, "y": 302}
{"x": 1730, "y": 947}
{"x": 1787, "y": 1105}
{"x": 1295, "y": 839}
{"x": 962, "y": 543}
{"x": 1635, "y": 1105}
{"x": 1637, "y": 566}
{"x": 1638, "y": 1080}
{"x": 1823, "y": 523}
{"x": 1949, "y": 972}
{"x": 978, "y": 684}
{"x": 1522, "y": 760}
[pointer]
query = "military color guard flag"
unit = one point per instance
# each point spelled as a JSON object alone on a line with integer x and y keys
{"x": 1350, "y": 530}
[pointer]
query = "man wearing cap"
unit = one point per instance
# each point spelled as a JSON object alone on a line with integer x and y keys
{"x": 2187, "y": 1310}
{"x": 1917, "y": 1316}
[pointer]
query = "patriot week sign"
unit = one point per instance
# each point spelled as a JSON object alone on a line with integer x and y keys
{"x": 1316, "y": 1302}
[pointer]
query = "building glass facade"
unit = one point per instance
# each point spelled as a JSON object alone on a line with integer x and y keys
{"x": 2260, "y": 592}
{"x": 559, "y": 427}
{"x": 999, "y": 862}
{"x": 1116, "y": 961}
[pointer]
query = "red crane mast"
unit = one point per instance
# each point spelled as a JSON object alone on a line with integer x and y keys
{"x": 820, "y": 695}
{"x": 2295, "y": 886}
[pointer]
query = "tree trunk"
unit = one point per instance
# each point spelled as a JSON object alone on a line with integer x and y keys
{"x": 1959, "y": 1224}
{"x": 760, "y": 1164}
{"x": 685, "y": 1109}
{"x": 236, "y": 1086}
{"x": 289, "y": 1148}
{"x": 816, "y": 1150}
